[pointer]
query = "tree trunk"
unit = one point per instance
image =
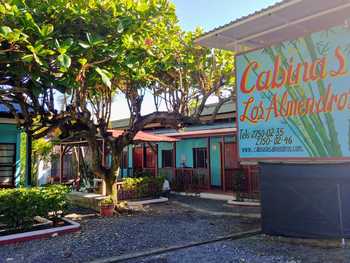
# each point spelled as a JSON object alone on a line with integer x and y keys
{"x": 109, "y": 184}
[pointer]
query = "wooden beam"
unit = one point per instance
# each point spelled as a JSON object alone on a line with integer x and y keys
{"x": 61, "y": 162}
{"x": 143, "y": 156}
{"x": 223, "y": 163}
{"x": 103, "y": 153}
{"x": 156, "y": 161}
{"x": 174, "y": 160}
{"x": 29, "y": 159}
{"x": 209, "y": 162}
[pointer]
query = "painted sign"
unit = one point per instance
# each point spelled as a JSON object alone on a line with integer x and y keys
{"x": 293, "y": 98}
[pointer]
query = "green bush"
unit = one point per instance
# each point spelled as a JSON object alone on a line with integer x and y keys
{"x": 18, "y": 207}
{"x": 144, "y": 186}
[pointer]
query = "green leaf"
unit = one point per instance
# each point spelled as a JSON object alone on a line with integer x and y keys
{"x": 120, "y": 28}
{"x": 89, "y": 38}
{"x": 27, "y": 58}
{"x": 57, "y": 43}
{"x": 46, "y": 30}
{"x": 142, "y": 6}
{"x": 67, "y": 43}
{"x": 64, "y": 60}
{"x": 62, "y": 50}
{"x": 5, "y": 30}
{"x": 82, "y": 61}
{"x": 84, "y": 44}
{"x": 105, "y": 76}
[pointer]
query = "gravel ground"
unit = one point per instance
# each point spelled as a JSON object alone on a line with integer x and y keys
{"x": 257, "y": 249}
{"x": 159, "y": 226}
{"x": 215, "y": 206}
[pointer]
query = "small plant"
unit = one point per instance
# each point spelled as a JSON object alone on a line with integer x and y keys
{"x": 238, "y": 185}
{"x": 147, "y": 186}
{"x": 107, "y": 201}
{"x": 18, "y": 207}
{"x": 107, "y": 207}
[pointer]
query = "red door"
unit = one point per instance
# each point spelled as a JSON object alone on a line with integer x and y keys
{"x": 231, "y": 156}
{"x": 150, "y": 158}
{"x": 137, "y": 158}
{"x": 230, "y": 165}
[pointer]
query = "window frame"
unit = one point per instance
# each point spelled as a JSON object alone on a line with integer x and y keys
{"x": 125, "y": 160}
{"x": 13, "y": 165}
{"x": 171, "y": 159}
{"x": 195, "y": 152}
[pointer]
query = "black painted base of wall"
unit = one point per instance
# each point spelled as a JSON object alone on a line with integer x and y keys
{"x": 305, "y": 200}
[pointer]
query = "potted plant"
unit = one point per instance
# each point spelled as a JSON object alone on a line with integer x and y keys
{"x": 107, "y": 207}
{"x": 239, "y": 184}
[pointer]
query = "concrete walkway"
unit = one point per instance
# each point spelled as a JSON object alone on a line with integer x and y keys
{"x": 215, "y": 207}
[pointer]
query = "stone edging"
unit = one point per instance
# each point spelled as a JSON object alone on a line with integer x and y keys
{"x": 244, "y": 203}
{"x": 200, "y": 210}
{"x": 148, "y": 202}
{"x": 38, "y": 234}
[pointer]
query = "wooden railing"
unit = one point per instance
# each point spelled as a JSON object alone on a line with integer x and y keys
{"x": 132, "y": 194}
{"x": 248, "y": 187}
{"x": 253, "y": 185}
{"x": 190, "y": 179}
{"x": 167, "y": 173}
{"x": 229, "y": 179}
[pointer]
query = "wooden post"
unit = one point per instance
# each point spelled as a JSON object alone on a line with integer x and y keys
{"x": 29, "y": 159}
{"x": 156, "y": 161}
{"x": 61, "y": 162}
{"x": 174, "y": 160}
{"x": 143, "y": 156}
{"x": 103, "y": 153}
{"x": 209, "y": 163}
{"x": 103, "y": 163}
{"x": 223, "y": 163}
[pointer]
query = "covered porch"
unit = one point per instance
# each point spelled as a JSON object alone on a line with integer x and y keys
{"x": 198, "y": 161}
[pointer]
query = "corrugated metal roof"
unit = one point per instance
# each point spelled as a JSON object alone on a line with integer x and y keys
{"x": 217, "y": 29}
{"x": 4, "y": 109}
{"x": 283, "y": 21}
{"x": 6, "y": 113}
{"x": 227, "y": 107}
{"x": 197, "y": 128}
{"x": 120, "y": 123}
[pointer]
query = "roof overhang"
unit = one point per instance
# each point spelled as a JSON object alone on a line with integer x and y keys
{"x": 145, "y": 136}
{"x": 286, "y": 20}
{"x": 203, "y": 133}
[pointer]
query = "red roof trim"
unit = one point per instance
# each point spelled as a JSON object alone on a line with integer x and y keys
{"x": 145, "y": 137}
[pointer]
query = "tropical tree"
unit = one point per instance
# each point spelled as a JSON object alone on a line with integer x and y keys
{"x": 92, "y": 50}
{"x": 195, "y": 74}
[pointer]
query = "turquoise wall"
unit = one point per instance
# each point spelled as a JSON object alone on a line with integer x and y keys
{"x": 215, "y": 158}
{"x": 130, "y": 147}
{"x": 215, "y": 161}
{"x": 184, "y": 152}
{"x": 124, "y": 172}
{"x": 10, "y": 134}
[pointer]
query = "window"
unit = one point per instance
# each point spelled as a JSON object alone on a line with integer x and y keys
{"x": 124, "y": 160}
{"x": 167, "y": 158}
{"x": 7, "y": 164}
{"x": 199, "y": 157}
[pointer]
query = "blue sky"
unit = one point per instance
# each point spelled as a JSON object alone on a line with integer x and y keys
{"x": 207, "y": 14}
{"x": 210, "y": 14}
